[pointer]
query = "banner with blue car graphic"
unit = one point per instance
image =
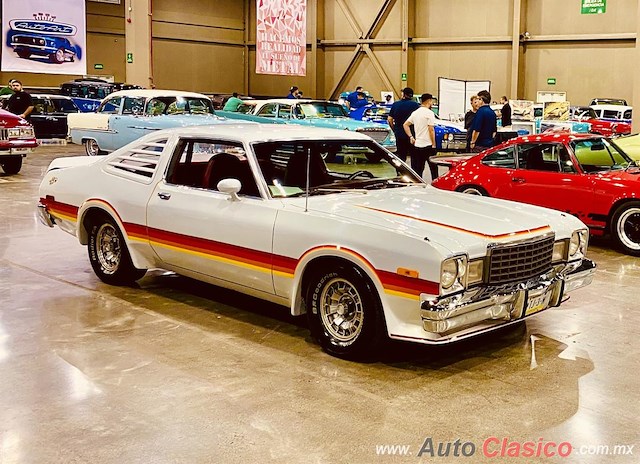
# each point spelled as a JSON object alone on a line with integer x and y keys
{"x": 44, "y": 36}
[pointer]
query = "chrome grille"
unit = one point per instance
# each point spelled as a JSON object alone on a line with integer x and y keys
{"x": 521, "y": 261}
{"x": 4, "y": 134}
{"x": 376, "y": 134}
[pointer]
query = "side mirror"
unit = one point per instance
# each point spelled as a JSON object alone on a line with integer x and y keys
{"x": 230, "y": 187}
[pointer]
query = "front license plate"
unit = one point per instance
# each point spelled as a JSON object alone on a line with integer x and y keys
{"x": 538, "y": 303}
{"x": 20, "y": 150}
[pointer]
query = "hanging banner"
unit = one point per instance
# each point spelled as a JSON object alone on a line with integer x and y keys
{"x": 44, "y": 36}
{"x": 281, "y": 37}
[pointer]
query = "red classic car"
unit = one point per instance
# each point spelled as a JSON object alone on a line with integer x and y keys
{"x": 599, "y": 126}
{"x": 16, "y": 140}
{"x": 584, "y": 175}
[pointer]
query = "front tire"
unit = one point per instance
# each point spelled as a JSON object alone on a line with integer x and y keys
{"x": 345, "y": 313}
{"x": 108, "y": 254}
{"x": 23, "y": 53}
{"x": 472, "y": 190}
{"x": 12, "y": 166}
{"x": 57, "y": 56}
{"x": 625, "y": 228}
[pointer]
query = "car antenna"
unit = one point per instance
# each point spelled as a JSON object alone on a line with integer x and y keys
{"x": 306, "y": 197}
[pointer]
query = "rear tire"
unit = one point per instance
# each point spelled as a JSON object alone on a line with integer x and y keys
{"x": 12, "y": 166}
{"x": 345, "y": 313}
{"x": 108, "y": 253}
{"x": 472, "y": 190}
{"x": 625, "y": 228}
{"x": 92, "y": 148}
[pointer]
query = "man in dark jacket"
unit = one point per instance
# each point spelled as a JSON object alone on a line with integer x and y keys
{"x": 399, "y": 113}
{"x": 484, "y": 126}
{"x": 20, "y": 102}
{"x": 506, "y": 111}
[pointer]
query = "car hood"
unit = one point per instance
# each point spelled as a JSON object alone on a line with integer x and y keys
{"x": 73, "y": 161}
{"x": 462, "y": 222}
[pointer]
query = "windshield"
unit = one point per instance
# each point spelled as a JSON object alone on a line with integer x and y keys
{"x": 322, "y": 110}
{"x": 178, "y": 105}
{"x": 63, "y": 105}
{"x": 585, "y": 113}
{"x": 246, "y": 108}
{"x": 333, "y": 167}
{"x": 599, "y": 154}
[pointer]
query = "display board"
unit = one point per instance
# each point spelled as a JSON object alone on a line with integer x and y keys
{"x": 543, "y": 96}
{"x": 281, "y": 37}
{"x": 556, "y": 111}
{"x": 43, "y": 36}
{"x": 454, "y": 95}
{"x": 521, "y": 110}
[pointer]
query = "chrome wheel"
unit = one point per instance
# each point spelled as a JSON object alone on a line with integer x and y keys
{"x": 91, "y": 147}
{"x": 60, "y": 55}
{"x": 108, "y": 248}
{"x": 341, "y": 310}
{"x": 627, "y": 228}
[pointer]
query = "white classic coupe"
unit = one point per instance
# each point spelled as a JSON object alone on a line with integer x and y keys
{"x": 325, "y": 222}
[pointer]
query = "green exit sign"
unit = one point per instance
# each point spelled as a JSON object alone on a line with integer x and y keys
{"x": 404, "y": 76}
{"x": 98, "y": 66}
{"x": 129, "y": 57}
{"x": 593, "y": 6}
{"x": 551, "y": 81}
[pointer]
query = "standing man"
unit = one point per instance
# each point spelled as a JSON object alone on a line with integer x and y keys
{"x": 233, "y": 103}
{"x": 7, "y": 90}
{"x": 399, "y": 113}
{"x": 484, "y": 126}
{"x": 506, "y": 111}
{"x": 423, "y": 120}
{"x": 20, "y": 102}
{"x": 352, "y": 98}
{"x": 293, "y": 92}
{"x": 476, "y": 102}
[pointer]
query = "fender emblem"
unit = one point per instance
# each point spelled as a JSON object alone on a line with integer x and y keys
{"x": 53, "y": 180}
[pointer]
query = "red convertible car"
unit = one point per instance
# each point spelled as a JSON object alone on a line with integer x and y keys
{"x": 587, "y": 176}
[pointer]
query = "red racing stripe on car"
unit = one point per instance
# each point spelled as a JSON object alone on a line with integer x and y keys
{"x": 63, "y": 210}
{"x": 409, "y": 285}
{"x": 460, "y": 229}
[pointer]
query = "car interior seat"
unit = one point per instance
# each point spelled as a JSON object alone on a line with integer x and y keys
{"x": 228, "y": 166}
{"x": 296, "y": 173}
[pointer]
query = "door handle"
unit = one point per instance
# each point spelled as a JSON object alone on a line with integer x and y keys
{"x": 164, "y": 196}
{"x": 518, "y": 180}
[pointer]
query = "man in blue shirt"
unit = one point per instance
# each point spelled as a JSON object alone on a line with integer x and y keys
{"x": 352, "y": 98}
{"x": 484, "y": 126}
{"x": 294, "y": 92}
{"x": 399, "y": 113}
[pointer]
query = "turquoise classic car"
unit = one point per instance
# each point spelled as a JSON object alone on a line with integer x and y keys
{"x": 125, "y": 116}
{"x": 315, "y": 113}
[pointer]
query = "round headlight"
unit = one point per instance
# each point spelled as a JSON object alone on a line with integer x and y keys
{"x": 574, "y": 244}
{"x": 449, "y": 273}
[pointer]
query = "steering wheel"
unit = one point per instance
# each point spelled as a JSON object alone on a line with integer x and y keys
{"x": 364, "y": 173}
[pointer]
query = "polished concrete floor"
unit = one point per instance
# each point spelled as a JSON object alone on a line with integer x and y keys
{"x": 175, "y": 371}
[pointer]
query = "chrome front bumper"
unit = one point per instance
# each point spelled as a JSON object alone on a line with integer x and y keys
{"x": 479, "y": 309}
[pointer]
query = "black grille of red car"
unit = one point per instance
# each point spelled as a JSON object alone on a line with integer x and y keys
{"x": 508, "y": 263}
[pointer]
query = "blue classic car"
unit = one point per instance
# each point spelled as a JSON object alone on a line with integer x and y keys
{"x": 129, "y": 114}
{"x": 316, "y": 113}
{"x": 88, "y": 93}
{"x": 56, "y": 49}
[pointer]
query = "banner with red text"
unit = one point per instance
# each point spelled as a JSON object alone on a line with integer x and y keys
{"x": 44, "y": 36}
{"x": 281, "y": 37}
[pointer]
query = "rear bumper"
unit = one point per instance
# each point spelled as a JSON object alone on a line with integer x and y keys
{"x": 44, "y": 216}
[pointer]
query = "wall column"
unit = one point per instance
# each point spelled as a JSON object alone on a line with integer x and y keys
{"x": 515, "y": 51}
{"x": 137, "y": 17}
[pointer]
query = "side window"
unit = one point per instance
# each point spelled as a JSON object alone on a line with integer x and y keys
{"x": 204, "y": 163}
{"x": 39, "y": 106}
{"x": 285, "y": 111}
{"x": 540, "y": 157}
{"x": 501, "y": 159}
{"x": 111, "y": 106}
{"x": 133, "y": 105}
{"x": 155, "y": 107}
{"x": 268, "y": 110}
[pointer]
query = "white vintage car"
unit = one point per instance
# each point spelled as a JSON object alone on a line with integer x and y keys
{"x": 361, "y": 243}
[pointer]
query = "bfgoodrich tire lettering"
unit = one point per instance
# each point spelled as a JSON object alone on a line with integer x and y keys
{"x": 344, "y": 312}
{"x": 108, "y": 254}
{"x": 625, "y": 227}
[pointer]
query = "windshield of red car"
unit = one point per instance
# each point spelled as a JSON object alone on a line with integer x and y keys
{"x": 599, "y": 155}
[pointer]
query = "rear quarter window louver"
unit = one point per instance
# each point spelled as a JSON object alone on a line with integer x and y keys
{"x": 139, "y": 163}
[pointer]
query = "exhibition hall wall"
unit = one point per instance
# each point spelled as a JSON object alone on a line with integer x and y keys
{"x": 203, "y": 45}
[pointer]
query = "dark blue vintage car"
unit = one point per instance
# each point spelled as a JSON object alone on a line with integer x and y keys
{"x": 88, "y": 93}
{"x": 56, "y": 48}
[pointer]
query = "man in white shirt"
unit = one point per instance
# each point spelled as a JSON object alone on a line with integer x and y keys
{"x": 423, "y": 120}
